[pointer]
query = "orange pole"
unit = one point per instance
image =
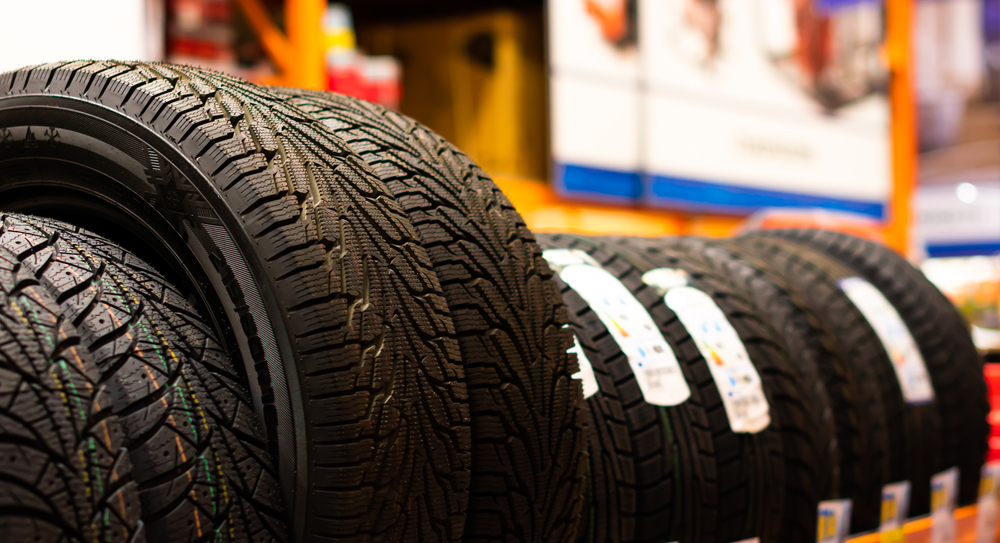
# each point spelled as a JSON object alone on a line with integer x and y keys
{"x": 278, "y": 48}
{"x": 904, "y": 124}
{"x": 302, "y": 21}
{"x": 299, "y": 57}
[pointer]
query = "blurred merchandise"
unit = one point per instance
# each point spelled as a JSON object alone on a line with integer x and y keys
{"x": 973, "y": 285}
{"x": 949, "y": 43}
{"x": 212, "y": 34}
{"x": 478, "y": 79}
{"x": 350, "y": 72}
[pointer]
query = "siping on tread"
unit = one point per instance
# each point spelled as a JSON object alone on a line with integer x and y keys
{"x": 904, "y": 429}
{"x": 330, "y": 298}
{"x": 633, "y": 446}
{"x": 64, "y": 475}
{"x": 696, "y": 509}
{"x": 942, "y": 335}
{"x": 198, "y": 456}
{"x": 607, "y": 514}
{"x": 792, "y": 421}
{"x": 528, "y": 438}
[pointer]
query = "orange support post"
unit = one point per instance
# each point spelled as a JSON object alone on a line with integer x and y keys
{"x": 299, "y": 56}
{"x": 904, "y": 124}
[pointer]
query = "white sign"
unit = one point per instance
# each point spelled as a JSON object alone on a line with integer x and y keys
{"x": 586, "y": 373}
{"x": 653, "y": 362}
{"x": 833, "y": 521}
{"x": 911, "y": 372}
{"x": 959, "y": 218}
{"x": 895, "y": 506}
{"x": 728, "y": 361}
{"x": 986, "y": 512}
{"x": 944, "y": 496}
{"x": 717, "y": 105}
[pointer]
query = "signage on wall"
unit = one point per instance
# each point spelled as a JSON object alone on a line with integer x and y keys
{"x": 722, "y": 105}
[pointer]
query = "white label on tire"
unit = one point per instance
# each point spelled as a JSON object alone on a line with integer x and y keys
{"x": 656, "y": 369}
{"x": 734, "y": 374}
{"x": 911, "y": 372}
{"x": 586, "y": 373}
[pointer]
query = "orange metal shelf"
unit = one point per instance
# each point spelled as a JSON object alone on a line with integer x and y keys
{"x": 919, "y": 530}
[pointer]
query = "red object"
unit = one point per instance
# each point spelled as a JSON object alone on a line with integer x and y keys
{"x": 992, "y": 374}
{"x": 375, "y": 79}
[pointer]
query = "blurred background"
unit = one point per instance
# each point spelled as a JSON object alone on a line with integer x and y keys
{"x": 646, "y": 117}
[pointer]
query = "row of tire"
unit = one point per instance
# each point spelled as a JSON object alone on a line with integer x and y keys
{"x": 818, "y": 366}
{"x": 267, "y": 314}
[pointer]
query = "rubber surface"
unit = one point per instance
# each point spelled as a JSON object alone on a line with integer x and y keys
{"x": 606, "y": 514}
{"x": 528, "y": 438}
{"x": 829, "y": 385}
{"x": 911, "y": 432}
{"x": 323, "y": 289}
{"x": 944, "y": 340}
{"x": 730, "y": 486}
{"x": 645, "y": 459}
{"x": 199, "y": 456}
{"x": 64, "y": 476}
{"x": 794, "y": 493}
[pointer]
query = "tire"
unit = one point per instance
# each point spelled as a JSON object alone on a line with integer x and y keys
{"x": 64, "y": 476}
{"x": 846, "y": 449}
{"x": 636, "y": 488}
{"x": 198, "y": 455}
{"x": 796, "y": 481}
{"x": 528, "y": 436}
{"x": 737, "y": 492}
{"x": 911, "y": 431}
{"x": 294, "y": 250}
{"x": 943, "y": 337}
{"x": 605, "y": 515}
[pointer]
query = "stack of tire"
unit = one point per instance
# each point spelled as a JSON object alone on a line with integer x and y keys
{"x": 240, "y": 313}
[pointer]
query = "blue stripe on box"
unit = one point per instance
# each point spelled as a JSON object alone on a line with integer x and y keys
{"x": 963, "y": 249}
{"x": 586, "y": 182}
{"x": 689, "y": 194}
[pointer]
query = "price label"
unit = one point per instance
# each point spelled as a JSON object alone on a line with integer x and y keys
{"x": 911, "y": 371}
{"x": 729, "y": 363}
{"x": 653, "y": 362}
{"x": 895, "y": 506}
{"x": 986, "y": 512}
{"x": 833, "y": 521}
{"x": 586, "y": 373}
{"x": 944, "y": 496}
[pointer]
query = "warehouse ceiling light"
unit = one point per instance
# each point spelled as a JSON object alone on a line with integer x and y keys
{"x": 967, "y": 192}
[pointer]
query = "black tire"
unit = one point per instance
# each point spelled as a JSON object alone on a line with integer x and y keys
{"x": 943, "y": 337}
{"x": 198, "y": 454}
{"x": 610, "y": 467}
{"x": 639, "y": 468}
{"x": 795, "y": 492}
{"x": 737, "y": 492}
{"x": 846, "y": 449}
{"x": 911, "y": 431}
{"x": 528, "y": 437}
{"x": 64, "y": 475}
{"x": 294, "y": 250}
